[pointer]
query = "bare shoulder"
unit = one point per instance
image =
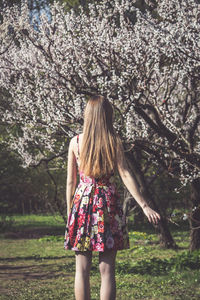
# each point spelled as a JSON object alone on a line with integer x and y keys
{"x": 74, "y": 139}
{"x": 73, "y": 143}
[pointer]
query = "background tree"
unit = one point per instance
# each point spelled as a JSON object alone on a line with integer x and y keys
{"x": 147, "y": 66}
{"x": 29, "y": 190}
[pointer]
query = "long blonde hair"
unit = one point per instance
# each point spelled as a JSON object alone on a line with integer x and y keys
{"x": 100, "y": 142}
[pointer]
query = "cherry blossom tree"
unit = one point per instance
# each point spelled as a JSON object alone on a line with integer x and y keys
{"x": 146, "y": 63}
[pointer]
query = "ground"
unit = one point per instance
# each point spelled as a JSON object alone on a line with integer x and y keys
{"x": 34, "y": 265}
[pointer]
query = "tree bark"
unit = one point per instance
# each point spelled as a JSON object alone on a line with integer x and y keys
{"x": 129, "y": 206}
{"x": 57, "y": 200}
{"x": 195, "y": 215}
{"x": 166, "y": 239}
{"x": 23, "y": 209}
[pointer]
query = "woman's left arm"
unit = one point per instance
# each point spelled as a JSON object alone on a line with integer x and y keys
{"x": 71, "y": 175}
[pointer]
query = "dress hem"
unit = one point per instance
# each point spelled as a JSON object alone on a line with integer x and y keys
{"x": 73, "y": 249}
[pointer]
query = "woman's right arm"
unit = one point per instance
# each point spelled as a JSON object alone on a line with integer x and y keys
{"x": 133, "y": 188}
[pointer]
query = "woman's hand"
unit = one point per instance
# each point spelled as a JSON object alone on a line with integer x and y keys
{"x": 152, "y": 216}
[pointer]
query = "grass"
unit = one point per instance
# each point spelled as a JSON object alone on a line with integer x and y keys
{"x": 37, "y": 266}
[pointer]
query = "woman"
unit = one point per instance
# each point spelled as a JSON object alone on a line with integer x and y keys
{"x": 95, "y": 216}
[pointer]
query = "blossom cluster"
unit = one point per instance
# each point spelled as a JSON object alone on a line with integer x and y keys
{"x": 147, "y": 66}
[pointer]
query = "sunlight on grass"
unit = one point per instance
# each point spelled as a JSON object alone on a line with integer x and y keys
{"x": 37, "y": 220}
{"x": 40, "y": 268}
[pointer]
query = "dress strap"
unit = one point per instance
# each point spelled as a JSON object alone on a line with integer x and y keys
{"x": 78, "y": 144}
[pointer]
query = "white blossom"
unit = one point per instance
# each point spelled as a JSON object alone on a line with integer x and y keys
{"x": 148, "y": 69}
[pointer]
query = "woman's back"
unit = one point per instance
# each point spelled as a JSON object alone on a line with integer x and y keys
{"x": 105, "y": 179}
{"x": 96, "y": 221}
{"x": 98, "y": 144}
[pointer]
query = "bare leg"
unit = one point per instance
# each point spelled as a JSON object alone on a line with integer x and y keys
{"x": 82, "y": 276}
{"x": 107, "y": 270}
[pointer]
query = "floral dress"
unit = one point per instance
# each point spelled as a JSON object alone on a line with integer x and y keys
{"x": 96, "y": 221}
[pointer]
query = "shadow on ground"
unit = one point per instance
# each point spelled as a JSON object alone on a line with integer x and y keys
{"x": 32, "y": 233}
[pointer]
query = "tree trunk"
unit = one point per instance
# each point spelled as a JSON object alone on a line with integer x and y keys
{"x": 139, "y": 217}
{"x": 195, "y": 215}
{"x": 30, "y": 206}
{"x": 23, "y": 209}
{"x": 57, "y": 200}
{"x": 166, "y": 239}
{"x": 129, "y": 206}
